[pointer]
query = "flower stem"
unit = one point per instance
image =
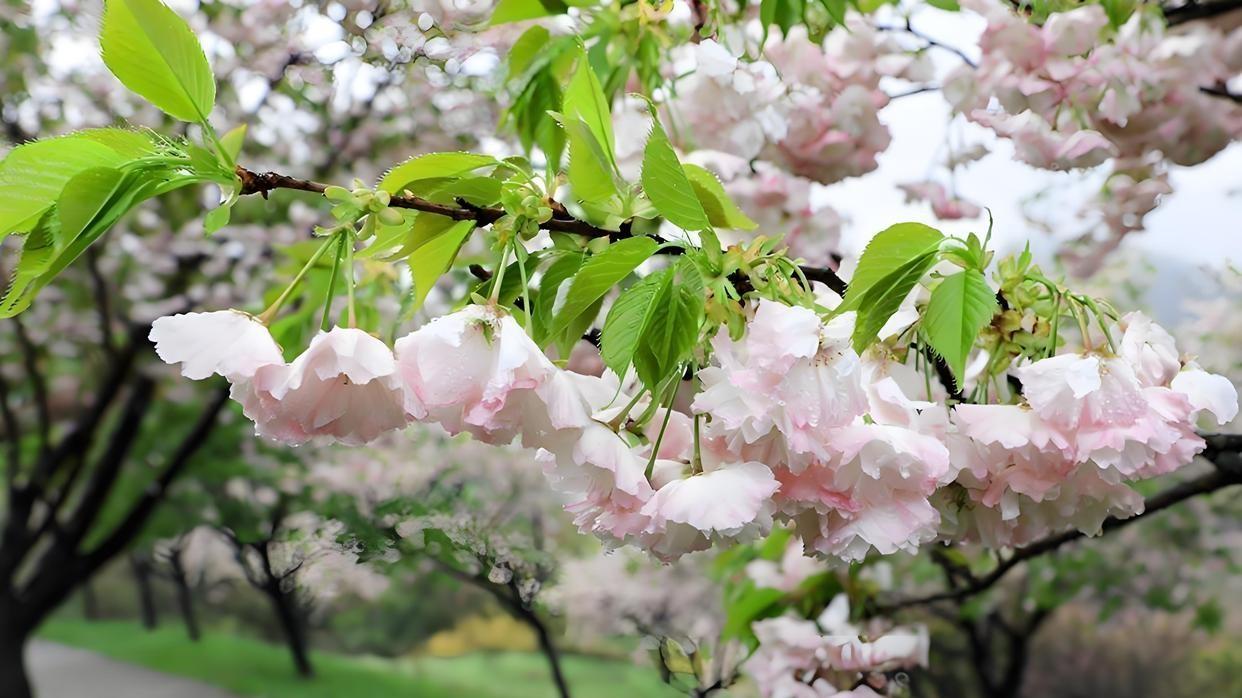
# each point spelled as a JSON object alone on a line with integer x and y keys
{"x": 347, "y": 239}
{"x": 499, "y": 278}
{"x": 336, "y": 267}
{"x": 266, "y": 316}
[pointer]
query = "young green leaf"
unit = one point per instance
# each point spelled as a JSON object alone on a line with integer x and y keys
{"x": 518, "y": 10}
{"x": 433, "y": 256}
{"x": 888, "y": 251}
{"x": 884, "y": 297}
{"x": 33, "y": 175}
{"x": 130, "y": 144}
{"x": 591, "y": 177}
{"x": 598, "y": 274}
{"x": 673, "y": 328}
{"x": 233, "y": 140}
{"x": 527, "y": 49}
{"x": 666, "y": 183}
{"x": 153, "y": 52}
{"x": 432, "y": 166}
{"x": 628, "y": 318}
{"x": 960, "y": 307}
{"x": 584, "y": 100}
{"x": 720, "y": 209}
{"x": 554, "y": 277}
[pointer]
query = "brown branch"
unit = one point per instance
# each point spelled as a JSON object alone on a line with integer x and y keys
{"x": 1198, "y": 9}
{"x": 30, "y": 355}
{"x": 1222, "y": 92}
{"x": 263, "y": 182}
{"x": 1217, "y": 479}
{"x": 180, "y": 459}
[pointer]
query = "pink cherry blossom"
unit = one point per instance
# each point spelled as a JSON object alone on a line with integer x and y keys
{"x": 944, "y": 205}
{"x": 228, "y": 343}
{"x": 476, "y": 370}
{"x": 1207, "y": 392}
{"x": 788, "y": 573}
{"x": 726, "y": 503}
{"x": 344, "y": 387}
{"x": 788, "y": 381}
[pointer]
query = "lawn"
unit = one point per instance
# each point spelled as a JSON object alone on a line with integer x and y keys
{"x": 251, "y": 668}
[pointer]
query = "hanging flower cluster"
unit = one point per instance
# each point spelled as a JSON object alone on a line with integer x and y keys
{"x": 790, "y": 424}
{"x": 811, "y": 109}
{"x": 828, "y": 657}
{"x": 1075, "y": 93}
{"x": 1089, "y": 423}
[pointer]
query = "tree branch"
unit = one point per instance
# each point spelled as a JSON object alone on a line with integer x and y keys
{"x": 1219, "y": 478}
{"x": 1196, "y": 9}
{"x": 30, "y": 355}
{"x": 263, "y": 182}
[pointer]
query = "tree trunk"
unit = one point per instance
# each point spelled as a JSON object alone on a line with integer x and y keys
{"x": 549, "y": 651}
{"x": 141, "y": 568}
{"x": 13, "y": 680}
{"x": 185, "y": 597}
{"x": 293, "y": 627}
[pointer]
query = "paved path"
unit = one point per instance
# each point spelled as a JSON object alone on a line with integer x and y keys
{"x": 59, "y": 671}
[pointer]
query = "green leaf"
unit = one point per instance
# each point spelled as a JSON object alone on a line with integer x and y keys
{"x": 836, "y": 9}
{"x": 720, "y": 209}
{"x": 557, "y": 273}
{"x": 217, "y": 218}
{"x": 432, "y": 166}
{"x": 598, "y": 274}
{"x": 518, "y": 10}
{"x": 628, "y": 319}
{"x": 888, "y": 251}
{"x": 783, "y": 13}
{"x": 960, "y": 307}
{"x": 666, "y": 183}
{"x": 885, "y": 296}
{"x": 590, "y": 174}
{"x": 752, "y": 604}
{"x": 38, "y": 250}
{"x": 949, "y": 5}
{"x": 527, "y": 49}
{"x": 233, "y": 140}
{"x": 90, "y": 204}
{"x": 433, "y": 255}
{"x": 33, "y": 175}
{"x": 584, "y": 100}
{"x": 153, "y": 52}
{"x": 128, "y": 143}
{"x": 673, "y": 328}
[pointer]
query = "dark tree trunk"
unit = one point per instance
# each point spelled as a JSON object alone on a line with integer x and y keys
{"x": 548, "y": 647}
{"x": 293, "y": 626}
{"x": 185, "y": 596}
{"x": 141, "y": 568}
{"x": 14, "y": 682}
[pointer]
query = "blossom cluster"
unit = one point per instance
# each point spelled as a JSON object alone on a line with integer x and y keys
{"x": 796, "y": 427}
{"x": 825, "y": 657}
{"x": 810, "y": 109}
{"x": 1075, "y": 93}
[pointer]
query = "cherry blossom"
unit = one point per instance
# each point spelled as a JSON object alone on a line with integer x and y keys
{"x": 819, "y": 658}
{"x": 474, "y": 370}
{"x": 228, "y": 343}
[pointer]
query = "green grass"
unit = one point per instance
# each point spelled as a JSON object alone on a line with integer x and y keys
{"x": 248, "y": 667}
